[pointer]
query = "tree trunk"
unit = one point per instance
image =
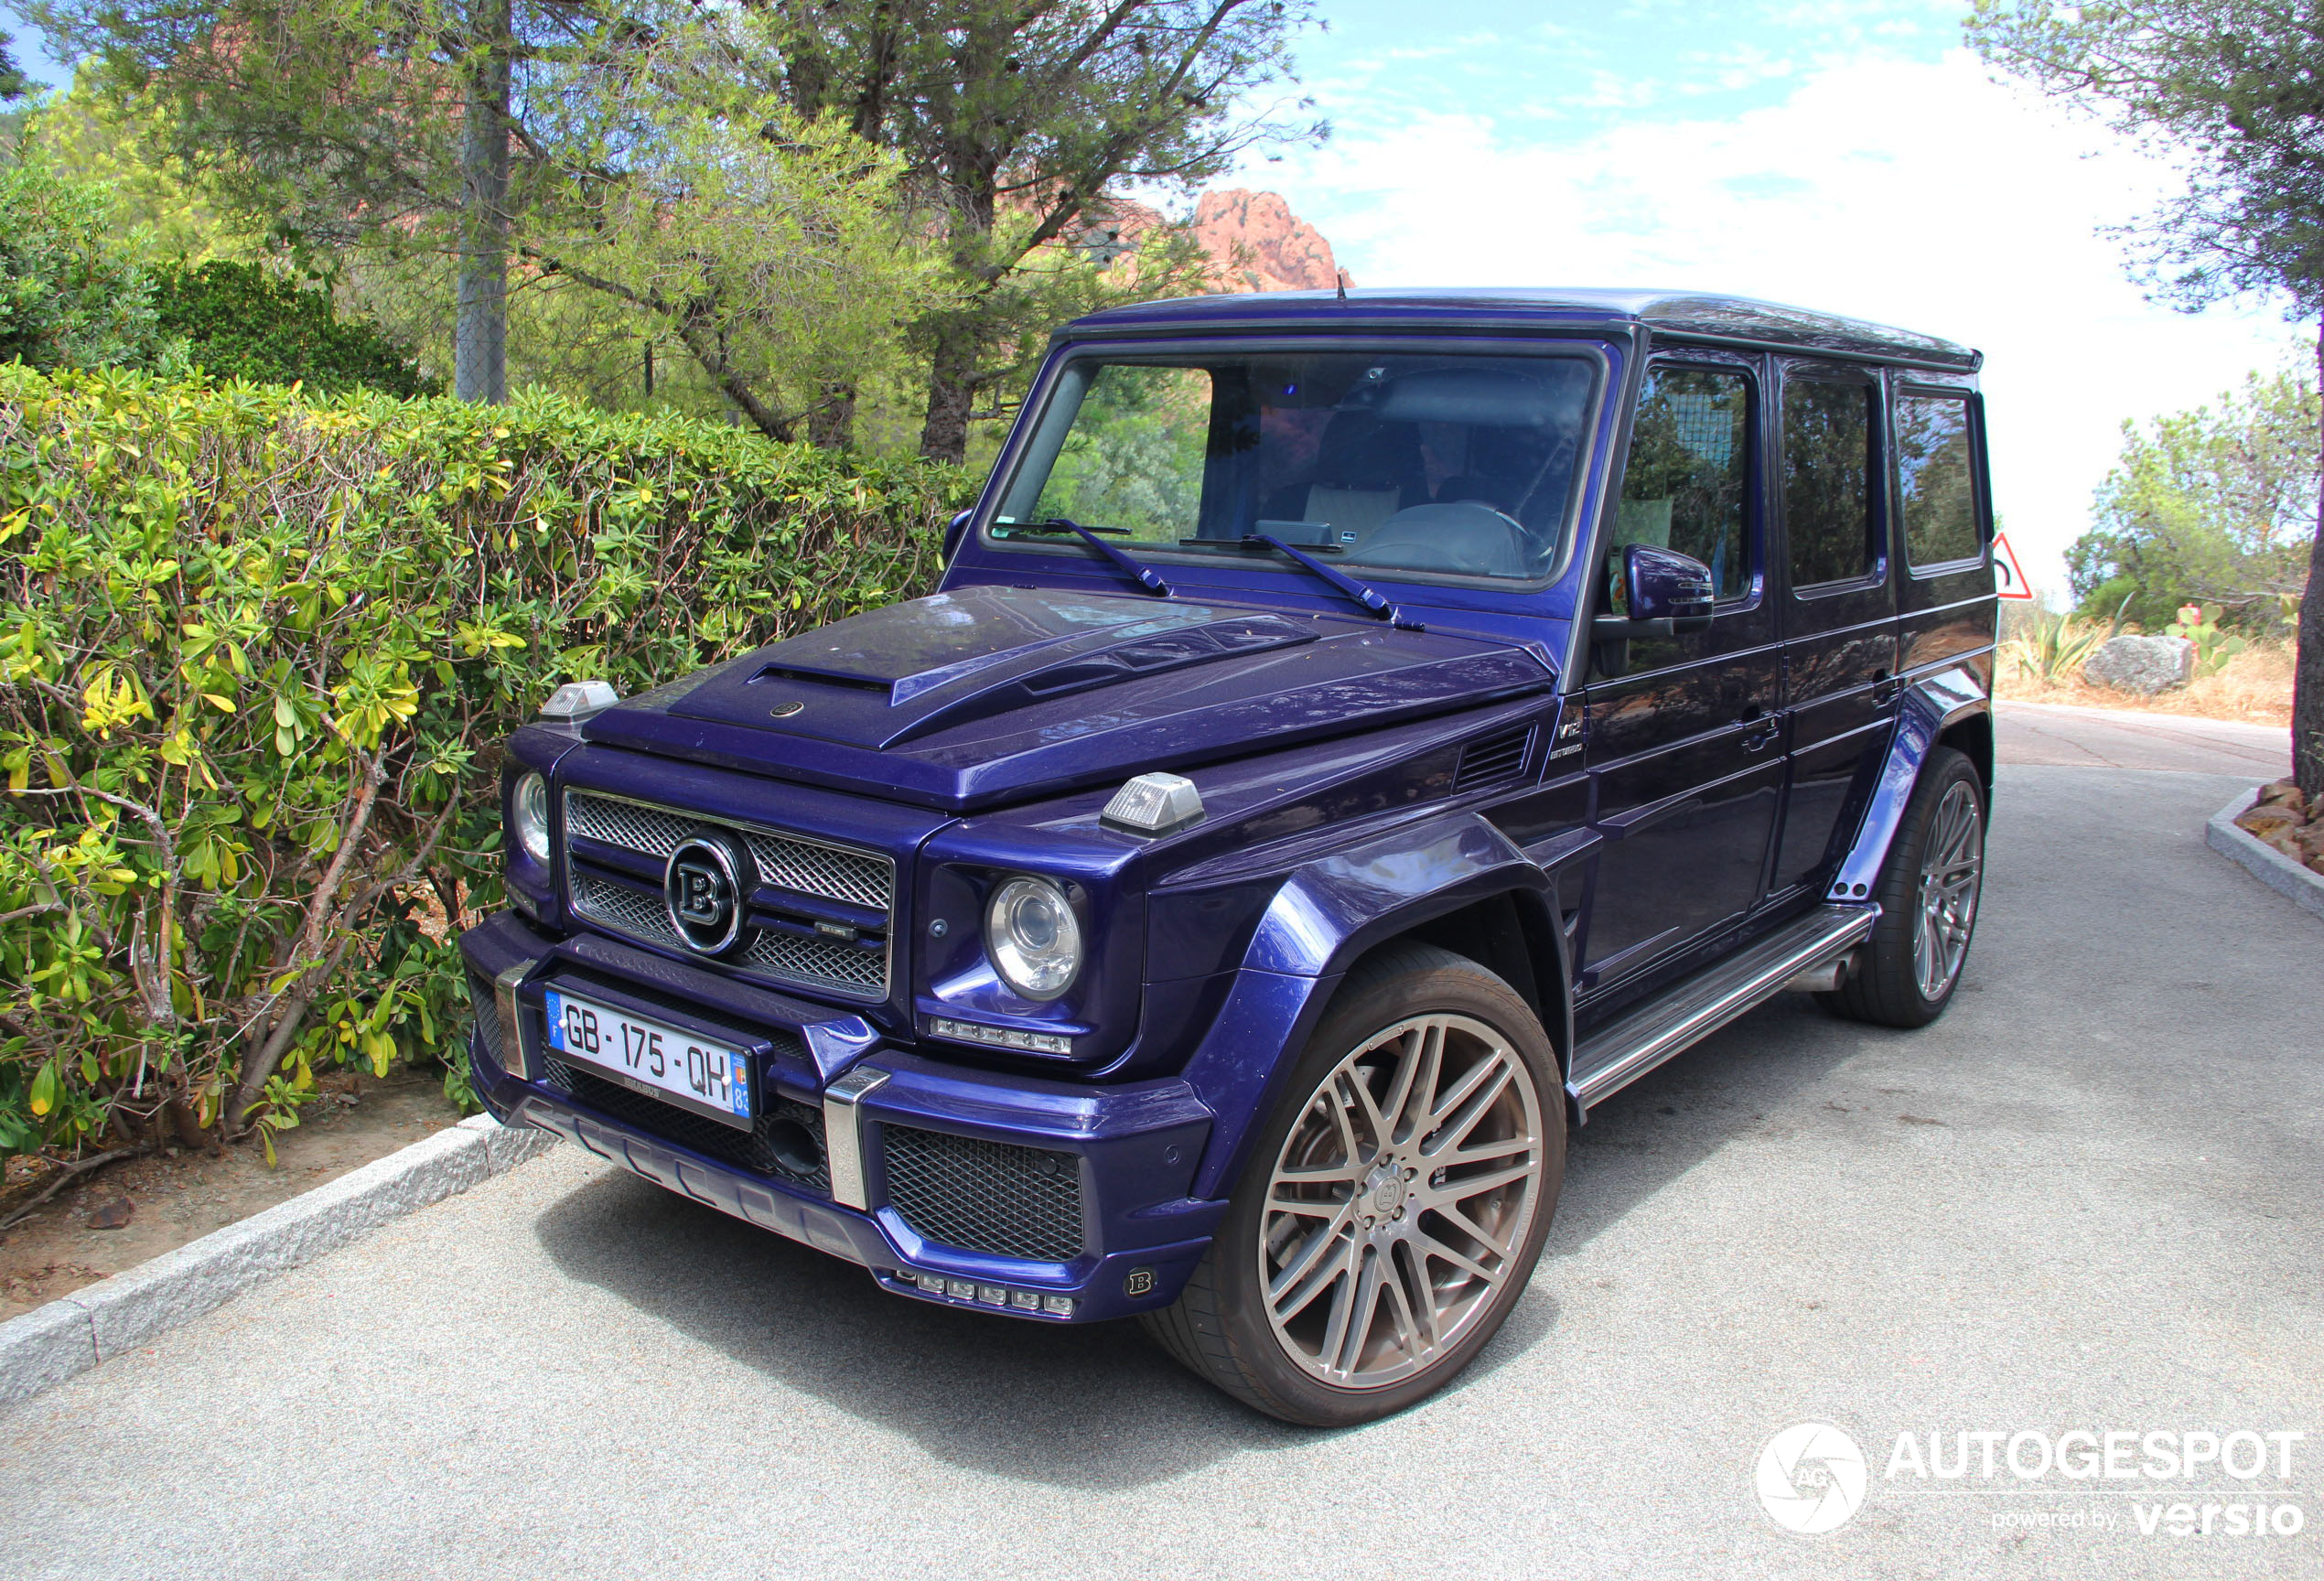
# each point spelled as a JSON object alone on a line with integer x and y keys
{"x": 480, "y": 339}
{"x": 831, "y": 425}
{"x": 943, "y": 435}
{"x": 2308, "y": 674}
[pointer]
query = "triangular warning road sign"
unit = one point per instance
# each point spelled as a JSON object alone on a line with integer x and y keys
{"x": 2009, "y": 576}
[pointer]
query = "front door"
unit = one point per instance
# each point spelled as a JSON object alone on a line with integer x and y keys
{"x": 1681, "y": 743}
{"x": 1839, "y": 610}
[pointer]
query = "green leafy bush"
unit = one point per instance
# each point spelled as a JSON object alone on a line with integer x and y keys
{"x": 70, "y": 295}
{"x": 258, "y": 653}
{"x": 238, "y": 321}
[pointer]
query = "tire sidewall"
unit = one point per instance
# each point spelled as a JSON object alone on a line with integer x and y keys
{"x": 1446, "y": 984}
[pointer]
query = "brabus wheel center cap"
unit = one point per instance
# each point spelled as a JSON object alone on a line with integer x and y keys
{"x": 1387, "y": 1189}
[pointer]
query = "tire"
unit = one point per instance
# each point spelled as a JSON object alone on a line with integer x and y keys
{"x": 1431, "y": 1040}
{"x": 1908, "y": 969}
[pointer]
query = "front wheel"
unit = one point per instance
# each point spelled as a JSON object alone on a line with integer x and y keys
{"x": 1393, "y": 1206}
{"x": 1928, "y": 894}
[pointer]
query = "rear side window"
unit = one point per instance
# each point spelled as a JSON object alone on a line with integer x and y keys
{"x": 1828, "y": 477}
{"x": 1689, "y": 479}
{"x": 1936, "y": 479}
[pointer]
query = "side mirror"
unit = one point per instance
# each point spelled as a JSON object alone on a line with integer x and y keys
{"x": 954, "y": 530}
{"x": 1667, "y": 593}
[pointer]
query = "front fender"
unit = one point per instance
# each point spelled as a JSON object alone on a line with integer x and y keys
{"x": 1931, "y": 705}
{"x": 1333, "y": 910}
{"x": 1325, "y": 916}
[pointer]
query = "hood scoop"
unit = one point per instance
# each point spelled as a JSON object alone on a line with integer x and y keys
{"x": 1133, "y": 660}
{"x": 908, "y": 671}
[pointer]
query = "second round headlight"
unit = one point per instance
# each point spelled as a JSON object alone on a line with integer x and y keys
{"x": 529, "y": 816}
{"x": 1034, "y": 938}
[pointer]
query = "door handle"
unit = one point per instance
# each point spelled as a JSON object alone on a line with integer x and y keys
{"x": 1886, "y": 686}
{"x": 1761, "y": 739}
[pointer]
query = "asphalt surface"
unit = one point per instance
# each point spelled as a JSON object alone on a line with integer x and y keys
{"x": 2087, "y": 1198}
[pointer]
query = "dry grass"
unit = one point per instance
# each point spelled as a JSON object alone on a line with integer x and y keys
{"x": 2256, "y": 687}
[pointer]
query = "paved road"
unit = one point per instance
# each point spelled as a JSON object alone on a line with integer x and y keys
{"x": 2087, "y": 1198}
{"x": 2111, "y": 738}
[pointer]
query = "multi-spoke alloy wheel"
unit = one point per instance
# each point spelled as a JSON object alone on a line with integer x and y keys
{"x": 1949, "y": 868}
{"x": 1398, "y": 1199}
{"x": 1907, "y": 971}
{"x": 1393, "y": 1205}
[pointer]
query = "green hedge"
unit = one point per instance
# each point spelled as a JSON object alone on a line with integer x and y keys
{"x": 259, "y": 653}
{"x": 238, "y": 321}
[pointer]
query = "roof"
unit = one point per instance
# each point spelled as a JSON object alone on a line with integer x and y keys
{"x": 1687, "y": 314}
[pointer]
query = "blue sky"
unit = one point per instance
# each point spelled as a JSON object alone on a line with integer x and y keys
{"x": 1845, "y": 154}
{"x": 1850, "y": 157}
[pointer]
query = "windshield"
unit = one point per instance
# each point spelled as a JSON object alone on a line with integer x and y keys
{"x": 1394, "y": 460}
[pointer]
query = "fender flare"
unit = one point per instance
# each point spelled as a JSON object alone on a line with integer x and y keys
{"x": 1931, "y": 705}
{"x": 1323, "y": 919}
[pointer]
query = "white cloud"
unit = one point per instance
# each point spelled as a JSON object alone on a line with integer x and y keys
{"x": 1914, "y": 193}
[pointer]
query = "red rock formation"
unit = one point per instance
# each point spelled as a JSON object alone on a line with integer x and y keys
{"x": 1258, "y": 243}
{"x": 1253, "y": 239}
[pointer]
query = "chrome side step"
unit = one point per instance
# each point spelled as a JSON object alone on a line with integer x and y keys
{"x": 1617, "y": 1055}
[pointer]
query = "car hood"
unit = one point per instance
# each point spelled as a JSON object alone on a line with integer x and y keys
{"x": 986, "y": 695}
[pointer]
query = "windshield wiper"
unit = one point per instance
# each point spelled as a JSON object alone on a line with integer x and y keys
{"x": 1369, "y": 597}
{"x": 1148, "y": 577}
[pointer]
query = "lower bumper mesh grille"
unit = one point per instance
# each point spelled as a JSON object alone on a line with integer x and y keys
{"x": 990, "y": 1197}
{"x": 488, "y": 1019}
{"x": 772, "y": 1147}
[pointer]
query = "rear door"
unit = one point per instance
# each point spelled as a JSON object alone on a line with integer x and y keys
{"x": 1680, "y": 743}
{"x": 1838, "y": 604}
{"x": 1944, "y": 525}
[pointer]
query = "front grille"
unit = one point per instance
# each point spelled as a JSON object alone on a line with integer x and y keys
{"x": 790, "y": 957}
{"x": 990, "y": 1197}
{"x": 802, "y": 866}
{"x": 806, "y": 867}
{"x": 487, "y": 1007}
{"x": 762, "y": 1149}
{"x": 826, "y": 963}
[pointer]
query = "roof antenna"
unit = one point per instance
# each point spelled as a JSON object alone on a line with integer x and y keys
{"x": 1342, "y": 280}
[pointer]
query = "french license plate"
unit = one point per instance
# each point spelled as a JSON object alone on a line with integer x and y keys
{"x": 647, "y": 1057}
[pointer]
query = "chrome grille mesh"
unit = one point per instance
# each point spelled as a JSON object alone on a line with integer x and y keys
{"x": 798, "y": 959}
{"x": 804, "y": 866}
{"x": 811, "y": 868}
{"x": 627, "y": 910}
{"x": 991, "y": 1197}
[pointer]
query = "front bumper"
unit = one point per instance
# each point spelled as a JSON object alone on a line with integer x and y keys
{"x": 1134, "y": 1147}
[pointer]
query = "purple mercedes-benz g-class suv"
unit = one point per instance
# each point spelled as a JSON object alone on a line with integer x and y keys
{"x": 1354, "y": 736}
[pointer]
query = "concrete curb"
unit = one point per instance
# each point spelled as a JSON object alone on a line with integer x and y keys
{"x": 75, "y": 1332}
{"x": 2263, "y": 861}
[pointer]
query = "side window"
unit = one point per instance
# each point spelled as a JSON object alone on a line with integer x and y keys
{"x": 1936, "y": 479}
{"x": 1689, "y": 481}
{"x": 1828, "y": 477}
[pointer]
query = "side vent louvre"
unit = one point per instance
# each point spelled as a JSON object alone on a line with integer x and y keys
{"x": 1492, "y": 759}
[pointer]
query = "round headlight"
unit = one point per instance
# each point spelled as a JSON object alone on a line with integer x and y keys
{"x": 1035, "y": 942}
{"x": 529, "y": 816}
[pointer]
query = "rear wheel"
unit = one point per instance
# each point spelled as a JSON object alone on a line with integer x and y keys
{"x": 1908, "y": 969}
{"x": 1393, "y": 1206}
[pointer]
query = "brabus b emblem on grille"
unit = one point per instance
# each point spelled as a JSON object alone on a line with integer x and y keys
{"x": 703, "y": 889}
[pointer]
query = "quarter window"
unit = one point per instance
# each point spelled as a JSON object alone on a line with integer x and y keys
{"x": 1827, "y": 479}
{"x": 1936, "y": 479}
{"x": 1689, "y": 481}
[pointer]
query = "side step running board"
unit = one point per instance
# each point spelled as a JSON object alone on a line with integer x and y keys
{"x": 1617, "y": 1055}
